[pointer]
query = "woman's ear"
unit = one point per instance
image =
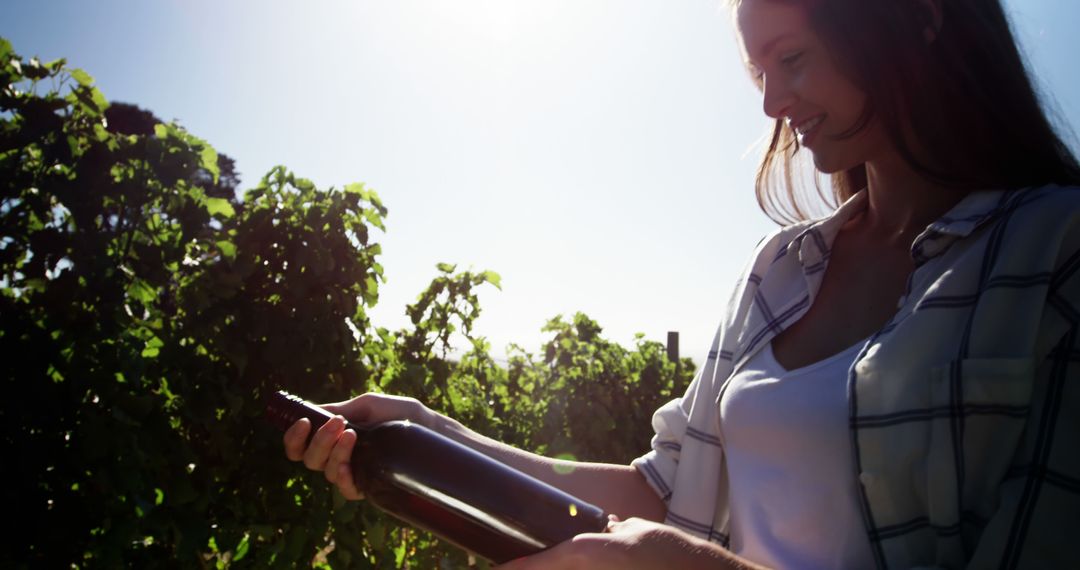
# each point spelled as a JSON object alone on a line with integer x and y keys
{"x": 930, "y": 11}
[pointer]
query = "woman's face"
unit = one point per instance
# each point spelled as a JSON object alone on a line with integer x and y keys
{"x": 802, "y": 84}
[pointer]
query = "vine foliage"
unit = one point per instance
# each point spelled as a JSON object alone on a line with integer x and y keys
{"x": 147, "y": 312}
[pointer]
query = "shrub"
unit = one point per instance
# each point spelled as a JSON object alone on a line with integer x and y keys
{"x": 147, "y": 311}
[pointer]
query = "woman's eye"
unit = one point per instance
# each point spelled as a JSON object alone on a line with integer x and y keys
{"x": 792, "y": 59}
{"x": 756, "y": 74}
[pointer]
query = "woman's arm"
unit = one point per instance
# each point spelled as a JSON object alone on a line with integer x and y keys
{"x": 632, "y": 545}
{"x": 617, "y": 489}
{"x": 1037, "y": 520}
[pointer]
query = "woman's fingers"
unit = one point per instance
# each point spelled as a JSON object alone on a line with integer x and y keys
{"x": 296, "y": 439}
{"x": 330, "y": 448}
{"x": 319, "y": 450}
{"x": 330, "y": 451}
{"x": 346, "y": 484}
{"x": 340, "y": 454}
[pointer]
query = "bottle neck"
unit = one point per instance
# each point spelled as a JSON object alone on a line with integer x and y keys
{"x": 284, "y": 409}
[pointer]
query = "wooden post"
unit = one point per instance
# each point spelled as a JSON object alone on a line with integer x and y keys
{"x": 673, "y": 346}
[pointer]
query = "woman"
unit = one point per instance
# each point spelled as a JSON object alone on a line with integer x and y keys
{"x": 894, "y": 385}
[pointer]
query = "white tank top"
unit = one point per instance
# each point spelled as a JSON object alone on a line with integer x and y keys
{"x": 789, "y": 458}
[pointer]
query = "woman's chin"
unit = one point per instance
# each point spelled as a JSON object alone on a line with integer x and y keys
{"x": 827, "y": 164}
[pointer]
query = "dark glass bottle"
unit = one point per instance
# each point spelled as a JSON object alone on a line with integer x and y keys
{"x": 457, "y": 493}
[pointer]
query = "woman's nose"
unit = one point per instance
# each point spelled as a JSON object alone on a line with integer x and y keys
{"x": 778, "y": 97}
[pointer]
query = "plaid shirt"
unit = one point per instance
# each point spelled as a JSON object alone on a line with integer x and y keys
{"x": 964, "y": 408}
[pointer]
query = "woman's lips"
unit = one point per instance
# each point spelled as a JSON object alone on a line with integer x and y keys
{"x": 806, "y": 129}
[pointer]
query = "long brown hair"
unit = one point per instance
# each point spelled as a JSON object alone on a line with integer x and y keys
{"x": 965, "y": 98}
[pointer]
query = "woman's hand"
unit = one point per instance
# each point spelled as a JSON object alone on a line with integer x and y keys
{"x": 634, "y": 543}
{"x": 331, "y": 447}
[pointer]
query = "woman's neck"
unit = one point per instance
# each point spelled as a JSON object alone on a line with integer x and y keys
{"x": 901, "y": 202}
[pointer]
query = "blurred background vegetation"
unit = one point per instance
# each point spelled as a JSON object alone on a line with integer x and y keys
{"x": 148, "y": 305}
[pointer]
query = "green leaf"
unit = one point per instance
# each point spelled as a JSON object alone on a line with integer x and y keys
{"x": 219, "y": 206}
{"x": 209, "y": 161}
{"x": 82, "y": 77}
{"x": 228, "y": 249}
{"x": 100, "y": 133}
{"x": 142, "y": 292}
{"x": 99, "y": 99}
{"x": 242, "y": 548}
{"x": 35, "y": 284}
{"x": 494, "y": 278}
{"x": 446, "y": 267}
{"x": 153, "y": 347}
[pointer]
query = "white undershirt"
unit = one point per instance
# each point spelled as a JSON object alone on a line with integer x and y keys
{"x": 789, "y": 460}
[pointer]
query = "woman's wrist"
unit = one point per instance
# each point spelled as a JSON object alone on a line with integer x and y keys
{"x": 699, "y": 553}
{"x": 436, "y": 422}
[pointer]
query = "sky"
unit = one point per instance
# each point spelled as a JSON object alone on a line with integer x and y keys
{"x": 598, "y": 154}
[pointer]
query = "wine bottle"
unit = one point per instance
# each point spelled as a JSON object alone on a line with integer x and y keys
{"x": 461, "y": 495}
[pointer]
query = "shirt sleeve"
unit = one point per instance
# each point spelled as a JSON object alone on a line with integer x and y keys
{"x": 1037, "y": 521}
{"x": 671, "y": 420}
{"x": 669, "y": 424}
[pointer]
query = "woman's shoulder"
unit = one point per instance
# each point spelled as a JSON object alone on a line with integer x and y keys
{"x": 774, "y": 245}
{"x": 1045, "y": 209}
{"x": 1048, "y": 203}
{"x": 1025, "y": 230}
{"x": 1047, "y": 214}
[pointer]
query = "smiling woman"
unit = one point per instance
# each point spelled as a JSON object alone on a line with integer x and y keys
{"x": 891, "y": 384}
{"x": 943, "y": 81}
{"x": 873, "y": 373}
{"x": 805, "y": 90}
